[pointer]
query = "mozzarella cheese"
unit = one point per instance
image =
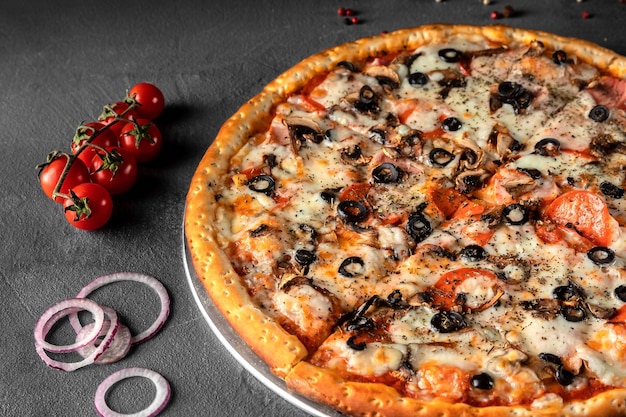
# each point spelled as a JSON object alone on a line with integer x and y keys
{"x": 407, "y": 176}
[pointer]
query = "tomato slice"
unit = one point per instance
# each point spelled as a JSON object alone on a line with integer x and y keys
{"x": 447, "y": 200}
{"x": 444, "y": 292}
{"x": 585, "y": 212}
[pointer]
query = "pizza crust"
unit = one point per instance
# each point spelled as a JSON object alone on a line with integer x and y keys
{"x": 283, "y": 352}
{"x": 378, "y": 400}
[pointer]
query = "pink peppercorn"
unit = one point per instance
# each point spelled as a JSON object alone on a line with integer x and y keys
{"x": 586, "y": 15}
{"x": 495, "y": 15}
{"x": 355, "y": 20}
{"x": 341, "y": 11}
{"x": 349, "y": 12}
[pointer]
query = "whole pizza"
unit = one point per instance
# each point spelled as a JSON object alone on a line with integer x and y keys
{"x": 428, "y": 222}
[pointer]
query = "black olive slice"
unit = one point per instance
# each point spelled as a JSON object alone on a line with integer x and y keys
{"x": 611, "y": 190}
{"x": 352, "y": 211}
{"x": 448, "y": 321}
{"x": 328, "y": 196}
{"x": 473, "y": 253}
{"x": 270, "y": 160}
{"x": 471, "y": 182}
{"x": 509, "y": 90}
{"x": 347, "y": 65}
{"x": 559, "y": 57}
{"x": 359, "y": 322}
{"x": 356, "y": 346}
{"x": 451, "y": 124}
{"x": 439, "y": 157}
{"x": 262, "y": 183}
{"x": 599, "y": 113}
{"x": 352, "y": 267}
{"x": 418, "y": 79}
{"x": 620, "y": 293}
{"x": 482, "y": 381}
{"x": 515, "y": 214}
{"x": 351, "y": 152}
{"x": 367, "y": 95}
{"x": 395, "y": 298}
{"x": 601, "y": 255}
{"x": 386, "y": 173}
{"x": 563, "y": 376}
{"x": 574, "y": 313}
{"x": 305, "y": 257}
{"x": 549, "y": 357}
{"x": 259, "y": 230}
{"x": 548, "y": 147}
{"x": 378, "y": 136}
{"x": 450, "y": 55}
{"x": 418, "y": 227}
{"x": 531, "y": 172}
{"x": 567, "y": 292}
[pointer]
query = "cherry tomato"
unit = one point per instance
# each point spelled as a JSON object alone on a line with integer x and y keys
{"x": 115, "y": 170}
{"x": 51, "y": 173}
{"x": 143, "y": 139}
{"x": 150, "y": 99}
{"x": 111, "y": 111}
{"x": 90, "y": 206}
{"x": 104, "y": 139}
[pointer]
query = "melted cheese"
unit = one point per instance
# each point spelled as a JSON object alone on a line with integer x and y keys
{"x": 314, "y": 176}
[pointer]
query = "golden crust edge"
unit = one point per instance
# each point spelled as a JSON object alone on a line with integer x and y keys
{"x": 379, "y": 400}
{"x": 283, "y": 352}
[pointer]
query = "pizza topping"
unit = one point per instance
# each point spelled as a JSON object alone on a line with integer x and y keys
{"x": 473, "y": 253}
{"x": 451, "y": 124}
{"x": 262, "y": 184}
{"x": 482, "y": 381}
{"x": 448, "y": 321}
{"x": 611, "y": 190}
{"x": 352, "y": 211}
{"x": 351, "y": 266}
{"x": 450, "y": 55}
{"x": 601, "y": 255}
{"x": 559, "y": 57}
{"x": 548, "y": 147}
{"x": 418, "y": 226}
{"x": 440, "y": 157}
{"x": 386, "y": 173}
{"x": 515, "y": 214}
{"x": 620, "y": 293}
{"x": 599, "y": 113}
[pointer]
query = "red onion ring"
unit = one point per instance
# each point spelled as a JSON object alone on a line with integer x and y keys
{"x": 153, "y": 283}
{"x": 64, "y": 308}
{"x": 117, "y": 349}
{"x": 161, "y": 397}
{"x": 94, "y": 355}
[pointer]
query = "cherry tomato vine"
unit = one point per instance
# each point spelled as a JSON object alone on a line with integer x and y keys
{"x": 104, "y": 157}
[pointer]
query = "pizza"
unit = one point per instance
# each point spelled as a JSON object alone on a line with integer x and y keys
{"x": 428, "y": 222}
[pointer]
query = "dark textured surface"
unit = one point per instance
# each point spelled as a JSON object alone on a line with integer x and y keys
{"x": 60, "y": 62}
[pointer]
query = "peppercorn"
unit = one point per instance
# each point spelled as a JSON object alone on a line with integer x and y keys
{"x": 586, "y": 15}
{"x": 508, "y": 11}
{"x": 495, "y": 15}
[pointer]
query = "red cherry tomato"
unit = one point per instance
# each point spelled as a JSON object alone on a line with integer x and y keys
{"x": 150, "y": 99}
{"x": 90, "y": 207}
{"x": 116, "y": 170}
{"x": 51, "y": 173}
{"x": 104, "y": 139}
{"x": 111, "y": 111}
{"x": 142, "y": 139}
